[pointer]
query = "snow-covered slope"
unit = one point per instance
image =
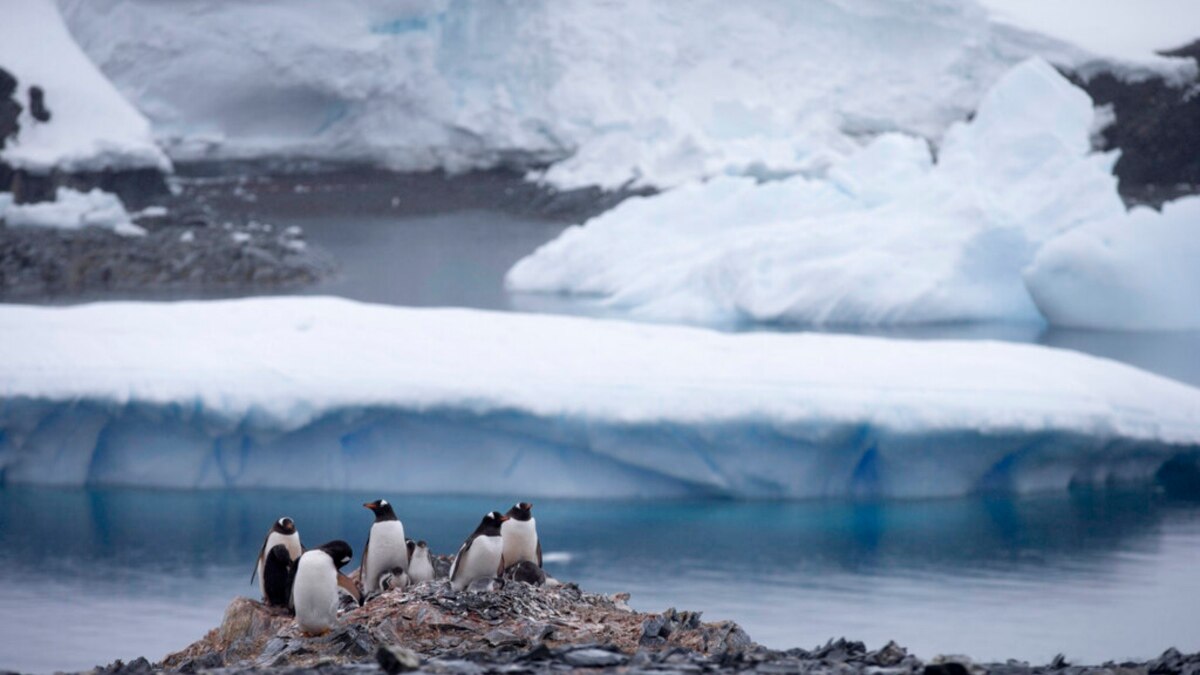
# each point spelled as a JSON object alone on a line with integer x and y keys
{"x": 91, "y": 126}
{"x": 888, "y": 237}
{"x": 654, "y": 91}
{"x": 326, "y": 393}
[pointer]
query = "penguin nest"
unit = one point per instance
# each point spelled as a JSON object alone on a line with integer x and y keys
{"x": 435, "y": 621}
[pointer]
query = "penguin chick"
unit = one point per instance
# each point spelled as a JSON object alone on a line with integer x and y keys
{"x": 394, "y": 578}
{"x": 526, "y": 571}
{"x": 420, "y": 565}
{"x": 386, "y": 546}
{"x": 277, "y": 572}
{"x": 520, "y": 536}
{"x": 315, "y": 588}
{"x": 481, "y": 555}
{"x": 283, "y": 531}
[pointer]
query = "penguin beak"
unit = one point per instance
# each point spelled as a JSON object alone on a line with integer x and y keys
{"x": 504, "y": 518}
{"x": 370, "y": 505}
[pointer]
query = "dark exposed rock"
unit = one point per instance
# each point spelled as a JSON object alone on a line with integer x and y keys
{"x": 1157, "y": 130}
{"x": 37, "y": 104}
{"x": 172, "y": 257}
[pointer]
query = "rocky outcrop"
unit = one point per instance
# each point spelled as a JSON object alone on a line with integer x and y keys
{"x": 1155, "y": 128}
{"x": 494, "y": 620}
{"x": 183, "y": 251}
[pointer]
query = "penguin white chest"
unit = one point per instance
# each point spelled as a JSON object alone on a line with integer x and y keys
{"x": 480, "y": 561}
{"x": 315, "y": 592}
{"x": 520, "y": 541}
{"x": 385, "y": 549}
{"x": 291, "y": 541}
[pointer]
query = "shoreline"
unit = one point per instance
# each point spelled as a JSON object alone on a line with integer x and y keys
{"x": 505, "y": 626}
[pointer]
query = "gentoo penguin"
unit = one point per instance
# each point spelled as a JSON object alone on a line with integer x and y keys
{"x": 315, "y": 587}
{"x": 283, "y": 531}
{"x": 520, "y": 536}
{"x": 278, "y": 568}
{"x": 481, "y": 555}
{"x": 420, "y": 566}
{"x": 386, "y": 547}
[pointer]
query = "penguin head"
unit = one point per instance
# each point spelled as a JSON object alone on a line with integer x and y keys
{"x": 382, "y": 510}
{"x": 339, "y": 550}
{"x": 285, "y": 525}
{"x": 412, "y": 546}
{"x": 521, "y": 511}
{"x": 490, "y": 525}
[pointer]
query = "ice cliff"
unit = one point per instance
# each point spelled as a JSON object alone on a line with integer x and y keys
{"x": 654, "y": 92}
{"x": 327, "y": 393}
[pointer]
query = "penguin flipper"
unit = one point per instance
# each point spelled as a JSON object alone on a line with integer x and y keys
{"x": 262, "y": 551}
{"x": 350, "y": 587}
{"x": 368, "y": 585}
{"x": 462, "y": 552}
{"x": 539, "y": 549}
{"x": 500, "y": 571}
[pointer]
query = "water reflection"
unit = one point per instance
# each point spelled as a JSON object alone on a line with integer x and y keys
{"x": 1096, "y": 575}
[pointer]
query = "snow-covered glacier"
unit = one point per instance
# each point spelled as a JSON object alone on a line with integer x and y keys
{"x": 888, "y": 236}
{"x": 653, "y": 92}
{"x": 91, "y": 127}
{"x": 328, "y": 393}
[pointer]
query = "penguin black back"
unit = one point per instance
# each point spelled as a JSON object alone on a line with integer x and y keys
{"x": 278, "y": 573}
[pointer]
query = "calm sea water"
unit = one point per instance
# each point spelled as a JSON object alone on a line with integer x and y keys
{"x": 90, "y": 576}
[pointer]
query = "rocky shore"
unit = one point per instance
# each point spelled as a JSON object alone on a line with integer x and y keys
{"x": 509, "y": 627}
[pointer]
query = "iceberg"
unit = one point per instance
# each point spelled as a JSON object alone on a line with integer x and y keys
{"x": 331, "y": 394}
{"x": 633, "y": 92}
{"x": 92, "y": 127}
{"x": 887, "y": 237}
{"x": 1136, "y": 271}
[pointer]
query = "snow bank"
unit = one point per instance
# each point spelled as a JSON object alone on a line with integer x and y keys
{"x": 1137, "y": 271}
{"x": 656, "y": 92}
{"x": 72, "y": 210}
{"x": 888, "y": 237}
{"x": 91, "y": 126}
{"x": 327, "y": 393}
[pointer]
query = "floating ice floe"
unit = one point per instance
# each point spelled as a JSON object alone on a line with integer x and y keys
{"x": 888, "y": 237}
{"x": 71, "y": 210}
{"x": 331, "y": 394}
{"x": 91, "y": 126}
{"x": 1138, "y": 271}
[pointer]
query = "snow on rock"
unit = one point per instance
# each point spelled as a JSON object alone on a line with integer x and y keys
{"x": 72, "y": 210}
{"x": 888, "y": 237}
{"x": 653, "y": 92}
{"x": 329, "y": 393}
{"x": 1136, "y": 271}
{"x": 91, "y": 127}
